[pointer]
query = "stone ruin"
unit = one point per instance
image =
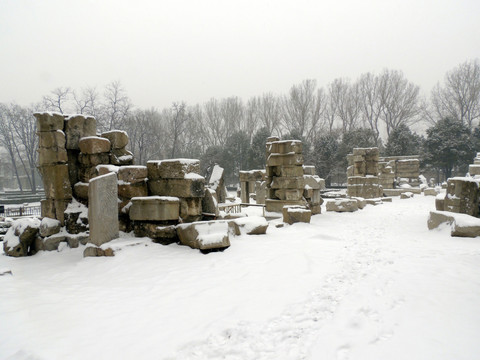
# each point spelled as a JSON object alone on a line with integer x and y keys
{"x": 460, "y": 205}
{"x": 398, "y": 170}
{"x": 252, "y": 183}
{"x": 288, "y": 182}
{"x": 362, "y": 174}
{"x": 94, "y": 190}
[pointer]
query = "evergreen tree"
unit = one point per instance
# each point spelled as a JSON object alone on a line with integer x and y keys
{"x": 449, "y": 144}
{"x": 402, "y": 141}
{"x": 325, "y": 153}
{"x": 256, "y": 154}
{"x": 356, "y": 138}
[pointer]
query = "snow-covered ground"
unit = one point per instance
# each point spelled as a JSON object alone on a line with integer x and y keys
{"x": 374, "y": 284}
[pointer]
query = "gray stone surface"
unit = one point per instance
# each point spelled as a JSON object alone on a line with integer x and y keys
{"x": 103, "y": 209}
{"x": 205, "y": 235}
{"x": 118, "y": 138}
{"x": 94, "y": 145}
{"x": 184, "y": 188}
{"x": 154, "y": 208}
{"x": 49, "y": 226}
{"x": 342, "y": 205}
{"x": 294, "y": 214}
{"x": 172, "y": 168}
{"x": 49, "y": 121}
{"x": 79, "y": 126}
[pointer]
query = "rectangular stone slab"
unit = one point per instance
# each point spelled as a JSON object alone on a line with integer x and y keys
{"x": 184, "y": 188}
{"x": 48, "y": 139}
{"x": 77, "y": 127}
{"x": 285, "y": 159}
{"x": 287, "y": 183}
{"x": 172, "y": 168}
{"x": 56, "y": 182}
{"x": 285, "y": 147}
{"x": 49, "y": 121}
{"x": 103, "y": 209}
{"x": 155, "y": 208}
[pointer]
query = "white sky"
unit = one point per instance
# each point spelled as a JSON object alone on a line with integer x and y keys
{"x": 191, "y": 50}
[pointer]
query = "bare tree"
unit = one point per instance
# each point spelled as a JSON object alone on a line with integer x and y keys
{"x": 86, "y": 101}
{"x": 371, "y": 102}
{"x": 178, "y": 118}
{"x": 58, "y": 100}
{"x": 400, "y": 98}
{"x": 303, "y": 108}
{"x": 346, "y": 100}
{"x": 116, "y": 107}
{"x": 459, "y": 98}
{"x": 269, "y": 112}
{"x": 214, "y": 125}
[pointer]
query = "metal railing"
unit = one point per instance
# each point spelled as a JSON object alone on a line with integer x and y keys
{"x": 20, "y": 211}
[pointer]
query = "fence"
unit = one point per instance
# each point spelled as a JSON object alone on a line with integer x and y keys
{"x": 20, "y": 211}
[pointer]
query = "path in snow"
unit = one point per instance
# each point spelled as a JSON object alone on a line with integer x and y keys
{"x": 357, "y": 309}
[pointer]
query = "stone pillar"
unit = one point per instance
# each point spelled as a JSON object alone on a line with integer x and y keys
{"x": 103, "y": 209}
{"x": 52, "y": 161}
{"x": 285, "y": 182}
{"x": 363, "y": 173}
{"x": 248, "y": 181}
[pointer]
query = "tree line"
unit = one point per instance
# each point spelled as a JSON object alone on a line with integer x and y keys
{"x": 374, "y": 110}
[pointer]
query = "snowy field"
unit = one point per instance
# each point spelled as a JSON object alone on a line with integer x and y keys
{"x": 374, "y": 284}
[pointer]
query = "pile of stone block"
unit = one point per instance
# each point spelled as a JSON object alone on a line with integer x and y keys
{"x": 178, "y": 178}
{"x": 406, "y": 169}
{"x": 312, "y": 187}
{"x": 119, "y": 155}
{"x": 285, "y": 182}
{"x": 362, "y": 173}
{"x": 252, "y": 182}
{"x": 386, "y": 175}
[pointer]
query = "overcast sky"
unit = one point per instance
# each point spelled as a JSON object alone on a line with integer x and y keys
{"x": 192, "y": 50}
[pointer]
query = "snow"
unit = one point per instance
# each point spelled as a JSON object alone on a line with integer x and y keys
{"x": 75, "y": 207}
{"x": 94, "y": 137}
{"x": 114, "y": 132}
{"x": 192, "y": 175}
{"x": 111, "y": 168}
{"x": 156, "y": 197}
{"x": 18, "y": 227}
{"x": 249, "y": 223}
{"x": 373, "y": 284}
{"x": 49, "y": 222}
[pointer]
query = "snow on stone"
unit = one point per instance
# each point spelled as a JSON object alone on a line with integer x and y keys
{"x": 157, "y": 197}
{"x": 215, "y": 177}
{"x": 75, "y": 206}
{"x": 111, "y": 168}
{"x": 114, "y": 132}
{"x": 192, "y": 175}
{"x": 212, "y": 232}
{"x": 249, "y": 223}
{"x": 49, "y": 222}
{"x": 18, "y": 226}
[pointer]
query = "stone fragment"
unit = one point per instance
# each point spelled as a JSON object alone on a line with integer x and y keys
{"x": 406, "y": 195}
{"x": 94, "y": 145}
{"x": 260, "y": 191}
{"x": 250, "y": 225}
{"x": 76, "y": 218}
{"x": 440, "y": 202}
{"x": 49, "y": 121}
{"x": 466, "y": 227}
{"x": 118, "y": 138}
{"x": 132, "y": 174}
{"x": 439, "y": 217}
{"x": 164, "y": 234}
{"x": 474, "y": 169}
{"x": 80, "y": 189}
{"x": 209, "y": 202}
{"x": 103, "y": 209}
{"x": 217, "y": 183}
{"x": 185, "y": 188}
{"x": 85, "y": 174}
{"x": 49, "y": 226}
{"x": 172, "y": 168}
{"x": 206, "y": 235}
{"x": 314, "y": 181}
{"x": 121, "y": 157}
{"x": 105, "y": 169}
{"x": 74, "y": 240}
{"x": 294, "y": 214}
{"x": 93, "y": 251}
{"x": 20, "y": 237}
{"x": 342, "y": 205}
{"x": 155, "y": 208}
{"x": 51, "y": 243}
{"x": 77, "y": 127}
{"x": 361, "y": 202}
